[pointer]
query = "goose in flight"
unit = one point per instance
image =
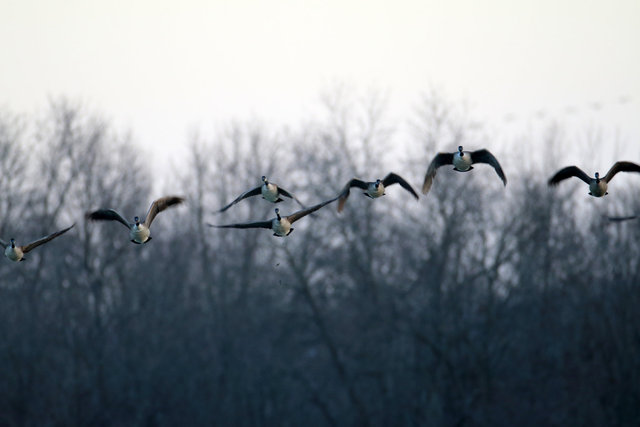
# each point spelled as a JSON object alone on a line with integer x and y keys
{"x": 373, "y": 189}
{"x": 462, "y": 161}
{"x": 280, "y": 225}
{"x": 597, "y": 185}
{"x": 138, "y": 231}
{"x": 270, "y": 192}
{"x": 16, "y": 253}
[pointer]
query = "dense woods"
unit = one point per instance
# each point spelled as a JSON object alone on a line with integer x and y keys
{"x": 477, "y": 305}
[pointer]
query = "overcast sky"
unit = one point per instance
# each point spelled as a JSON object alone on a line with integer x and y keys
{"x": 163, "y": 67}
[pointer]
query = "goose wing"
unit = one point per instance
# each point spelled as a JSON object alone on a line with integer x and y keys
{"x": 304, "y": 212}
{"x": 252, "y": 192}
{"x": 440, "y": 159}
{"x": 621, "y": 167}
{"x": 32, "y": 245}
{"x": 107, "y": 215}
{"x": 485, "y": 156}
{"x": 285, "y": 193}
{"x": 344, "y": 194}
{"x": 159, "y": 205}
{"x": 621, "y": 218}
{"x": 3, "y": 244}
{"x": 261, "y": 224}
{"x": 392, "y": 178}
{"x": 568, "y": 172}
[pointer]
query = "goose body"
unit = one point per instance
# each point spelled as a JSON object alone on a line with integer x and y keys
{"x": 270, "y": 192}
{"x": 373, "y": 189}
{"x": 16, "y": 253}
{"x": 280, "y": 225}
{"x": 13, "y": 252}
{"x": 598, "y": 188}
{"x": 462, "y": 161}
{"x": 139, "y": 232}
{"x": 598, "y": 185}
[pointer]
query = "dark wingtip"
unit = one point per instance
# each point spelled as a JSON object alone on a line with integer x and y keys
{"x": 174, "y": 200}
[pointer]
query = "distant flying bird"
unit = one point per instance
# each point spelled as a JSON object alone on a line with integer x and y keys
{"x": 462, "y": 161}
{"x": 270, "y": 192}
{"x": 281, "y": 225}
{"x": 373, "y": 189}
{"x": 138, "y": 231}
{"x": 621, "y": 218}
{"x": 597, "y": 185}
{"x": 16, "y": 253}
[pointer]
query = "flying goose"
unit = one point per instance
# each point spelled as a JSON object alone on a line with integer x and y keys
{"x": 138, "y": 231}
{"x": 16, "y": 253}
{"x": 270, "y": 192}
{"x": 373, "y": 189}
{"x": 597, "y": 185}
{"x": 462, "y": 161}
{"x": 281, "y": 225}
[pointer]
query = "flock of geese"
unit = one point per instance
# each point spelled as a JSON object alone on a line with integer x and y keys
{"x": 462, "y": 161}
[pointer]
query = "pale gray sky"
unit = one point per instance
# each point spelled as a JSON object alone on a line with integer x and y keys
{"x": 163, "y": 67}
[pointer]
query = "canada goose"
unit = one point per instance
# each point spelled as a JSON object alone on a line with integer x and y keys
{"x": 281, "y": 225}
{"x": 462, "y": 161}
{"x": 16, "y": 253}
{"x": 270, "y": 192}
{"x": 138, "y": 231}
{"x": 597, "y": 185}
{"x": 373, "y": 189}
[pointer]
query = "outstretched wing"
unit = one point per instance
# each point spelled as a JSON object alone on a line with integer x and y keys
{"x": 484, "y": 156}
{"x": 159, "y": 205}
{"x": 621, "y": 167}
{"x": 285, "y": 193}
{"x": 27, "y": 248}
{"x": 568, "y": 172}
{"x": 304, "y": 212}
{"x": 3, "y": 244}
{"x": 622, "y": 218}
{"x": 261, "y": 224}
{"x": 440, "y": 159}
{"x": 107, "y": 215}
{"x": 344, "y": 194}
{"x": 392, "y": 178}
{"x": 252, "y": 192}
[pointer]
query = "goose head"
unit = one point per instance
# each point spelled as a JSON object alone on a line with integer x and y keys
{"x": 597, "y": 177}
{"x": 377, "y": 183}
{"x": 460, "y": 150}
{"x": 265, "y": 180}
{"x": 137, "y": 221}
{"x": 13, "y": 242}
{"x": 278, "y": 214}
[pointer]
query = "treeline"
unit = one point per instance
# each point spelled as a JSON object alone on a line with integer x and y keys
{"x": 477, "y": 305}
